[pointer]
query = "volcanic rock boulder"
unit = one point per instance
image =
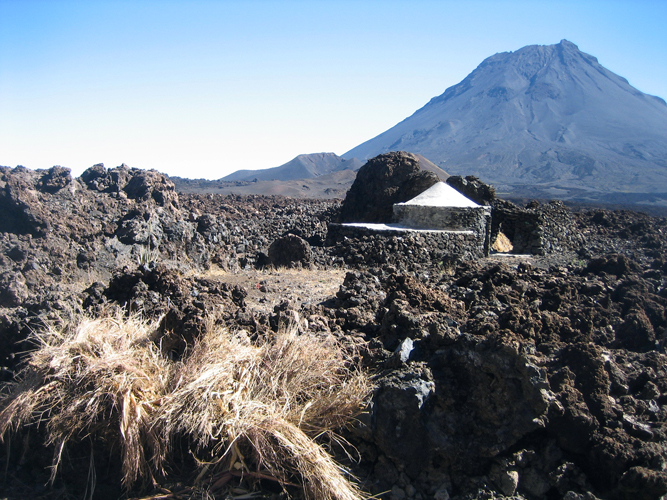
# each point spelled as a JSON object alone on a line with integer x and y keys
{"x": 459, "y": 399}
{"x": 55, "y": 179}
{"x": 152, "y": 185}
{"x": 141, "y": 227}
{"x": 106, "y": 181}
{"x": 136, "y": 184}
{"x": 290, "y": 251}
{"x": 20, "y": 206}
{"x": 386, "y": 179}
{"x": 400, "y": 430}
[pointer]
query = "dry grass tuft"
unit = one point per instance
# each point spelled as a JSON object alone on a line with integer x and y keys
{"x": 251, "y": 407}
{"x": 270, "y": 399}
{"x": 103, "y": 378}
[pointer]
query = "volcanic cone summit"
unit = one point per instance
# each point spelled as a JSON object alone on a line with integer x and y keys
{"x": 541, "y": 120}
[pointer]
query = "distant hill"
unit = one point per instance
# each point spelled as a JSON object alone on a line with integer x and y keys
{"x": 544, "y": 121}
{"x": 305, "y": 166}
{"x": 333, "y": 185}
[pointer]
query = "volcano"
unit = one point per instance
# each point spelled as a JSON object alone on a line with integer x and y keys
{"x": 545, "y": 121}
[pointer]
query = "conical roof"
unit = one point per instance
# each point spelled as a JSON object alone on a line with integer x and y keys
{"x": 441, "y": 194}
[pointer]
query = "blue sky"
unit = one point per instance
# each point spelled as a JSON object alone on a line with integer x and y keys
{"x": 201, "y": 88}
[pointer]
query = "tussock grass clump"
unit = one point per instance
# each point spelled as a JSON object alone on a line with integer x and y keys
{"x": 249, "y": 407}
{"x": 103, "y": 378}
{"x": 269, "y": 398}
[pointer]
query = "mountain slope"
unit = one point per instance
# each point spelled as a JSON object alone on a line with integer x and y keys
{"x": 545, "y": 119}
{"x": 333, "y": 185}
{"x": 306, "y": 166}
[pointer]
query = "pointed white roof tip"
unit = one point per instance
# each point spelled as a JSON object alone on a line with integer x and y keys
{"x": 441, "y": 194}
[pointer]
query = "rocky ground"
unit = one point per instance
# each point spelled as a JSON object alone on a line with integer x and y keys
{"x": 509, "y": 377}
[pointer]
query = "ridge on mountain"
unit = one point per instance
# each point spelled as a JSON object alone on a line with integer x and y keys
{"x": 304, "y": 166}
{"x": 545, "y": 120}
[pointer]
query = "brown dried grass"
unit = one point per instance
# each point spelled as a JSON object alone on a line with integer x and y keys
{"x": 103, "y": 378}
{"x": 245, "y": 406}
{"x": 270, "y": 399}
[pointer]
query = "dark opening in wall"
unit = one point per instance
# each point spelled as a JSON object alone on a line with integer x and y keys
{"x": 523, "y": 227}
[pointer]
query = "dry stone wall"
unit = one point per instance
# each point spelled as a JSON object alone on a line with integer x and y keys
{"x": 446, "y": 218}
{"x": 362, "y": 247}
{"x": 477, "y": 220}
{"x": 536, "y": 229}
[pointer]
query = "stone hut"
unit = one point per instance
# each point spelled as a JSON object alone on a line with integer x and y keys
{"x": 440, "y": 224}
{"x": 442, "y": 207}
{"x": 399, "y": 212}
